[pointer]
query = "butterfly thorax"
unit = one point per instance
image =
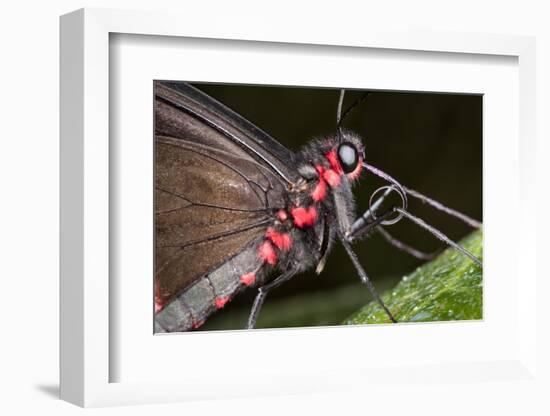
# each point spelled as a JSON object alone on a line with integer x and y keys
{"x": 302, "y": 233}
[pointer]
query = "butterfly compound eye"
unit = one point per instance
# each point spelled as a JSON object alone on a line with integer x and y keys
{"x": 348, "y": 157}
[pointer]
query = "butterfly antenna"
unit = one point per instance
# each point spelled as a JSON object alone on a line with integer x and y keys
{"x": 339, "y": 109}
{"x": 342, "y": 117}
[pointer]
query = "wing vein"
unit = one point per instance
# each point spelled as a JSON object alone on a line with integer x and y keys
{"x": 201, "y": 204}
{"x": 220, "y": 235}
{"x": 225, "y": 132}
{"x": 237, "y": 171}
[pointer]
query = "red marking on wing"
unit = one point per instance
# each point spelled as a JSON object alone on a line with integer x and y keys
{"x": 267, "y": 253}
{"x": 332, "y": 177}
{"x": 332, "y": 158}
{"x": 283, "y": 241}
{"x": 320, "y": 191}
{"x": 304, "y": 217}
{"x": 198, "y": 324}
{"x": 282, "y": 215}
{"x": 221, "y": 301}
{"x": 159, "y": 304}
{"x": 248, "y": 279}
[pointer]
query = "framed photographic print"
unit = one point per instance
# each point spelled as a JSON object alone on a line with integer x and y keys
{"x": 227, "y": 222}
{"x": 242, "y": 217}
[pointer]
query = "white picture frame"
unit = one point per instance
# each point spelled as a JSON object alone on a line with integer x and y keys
{"x": 88, "y": 358}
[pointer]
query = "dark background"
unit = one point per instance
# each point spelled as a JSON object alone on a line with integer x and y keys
{"x": 429, "y": 142}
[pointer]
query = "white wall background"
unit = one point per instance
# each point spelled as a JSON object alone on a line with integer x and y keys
{"x": 29, "y": 186}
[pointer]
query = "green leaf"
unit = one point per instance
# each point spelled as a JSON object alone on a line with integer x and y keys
{"x": 448, "y": 288}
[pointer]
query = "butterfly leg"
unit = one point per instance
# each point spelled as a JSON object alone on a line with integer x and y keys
{"x": 262, "y": 293}
{"x": 365, "y": 279}
{"x": 439, "y": 235}
{"x": 347, "y": 234}
{"x": 400, "y": 245}
{"x": 362, "y": 274}
{"x": 365, "y": 224}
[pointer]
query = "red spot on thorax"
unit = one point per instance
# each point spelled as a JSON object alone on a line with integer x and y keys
{"x": 304, "y": 217}
{"x": 332, "y": 177}
{"x": 221, "y": 301}
{"x": 320, "y": 170}
{"x": 283, "y": 241}
{"x": 320, "y": 191}
{"x": 332, "y": 158}
{"x": 248, "y": 279}
{"x": 267, "y": 253}
{"x": 282, "y": 215}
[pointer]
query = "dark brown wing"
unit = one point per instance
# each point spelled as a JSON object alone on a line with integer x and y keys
{"x": 236, "y": 130}
{"x": 213, "y": 196}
